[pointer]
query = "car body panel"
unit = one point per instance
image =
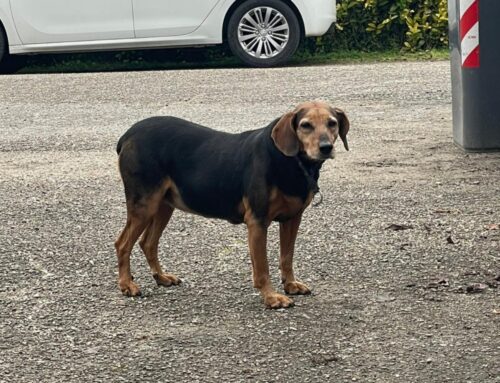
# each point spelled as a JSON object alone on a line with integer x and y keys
{"x": 317, "y": 15}
{"x": 8, "y": 23}
{"x": 61, "y": 21}
{"x": 165, "y": 18}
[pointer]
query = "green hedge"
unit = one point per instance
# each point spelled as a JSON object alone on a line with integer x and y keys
{"x": 410, "y": 25}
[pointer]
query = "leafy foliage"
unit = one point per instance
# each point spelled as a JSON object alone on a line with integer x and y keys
{"x": 411, "y": 25}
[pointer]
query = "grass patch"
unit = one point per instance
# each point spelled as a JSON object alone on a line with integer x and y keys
{"x": 191, "y": 58}
{"x": 352, "y": 57}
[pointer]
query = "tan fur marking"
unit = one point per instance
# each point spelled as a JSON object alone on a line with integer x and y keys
{"x": 282, "y": 205}
{"x": 288, "y": 235}
{"x": 139, "y": 216}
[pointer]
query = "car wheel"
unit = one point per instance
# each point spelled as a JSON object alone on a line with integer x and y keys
{"x": 8, "y": 63}
{"x": 263, "y": 33}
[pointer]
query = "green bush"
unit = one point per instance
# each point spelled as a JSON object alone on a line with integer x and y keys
{"x": 411, "y": 25}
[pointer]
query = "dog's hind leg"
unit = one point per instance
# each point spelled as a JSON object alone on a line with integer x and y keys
{"x": 149, "y": 244}
{"x": 139, "y": 215}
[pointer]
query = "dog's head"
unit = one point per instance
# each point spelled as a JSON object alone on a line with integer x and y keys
{"x": 312, "y": 128}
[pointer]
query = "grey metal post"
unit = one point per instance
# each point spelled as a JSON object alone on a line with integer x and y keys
{"x": 476, "y": 90}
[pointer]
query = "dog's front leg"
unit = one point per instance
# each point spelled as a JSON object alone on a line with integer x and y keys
{"x": 257, "y": 241}
{"x": 288, "y": 235}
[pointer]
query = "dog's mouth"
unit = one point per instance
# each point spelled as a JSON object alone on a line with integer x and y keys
{"x": 319, "y": 157}
{"x": 318, "y": 153}
{"x": 329, "y": 156}
{"x": 316, "y": 158}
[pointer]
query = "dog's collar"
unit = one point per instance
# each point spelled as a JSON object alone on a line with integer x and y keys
{"x": 312, "y": 183}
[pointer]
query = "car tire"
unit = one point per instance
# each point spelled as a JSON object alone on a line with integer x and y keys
{"x": 263, "y": 33}
{"x": 8, "y": 63}
{"x": 3, "y": 46}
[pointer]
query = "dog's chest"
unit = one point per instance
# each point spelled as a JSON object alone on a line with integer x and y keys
{"x": 283, "y": 206}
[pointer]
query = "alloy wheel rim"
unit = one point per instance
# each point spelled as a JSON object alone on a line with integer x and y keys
{"x": 263, "y": 32}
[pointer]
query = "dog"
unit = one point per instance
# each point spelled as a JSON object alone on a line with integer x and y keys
{"x": 254, "y": 177}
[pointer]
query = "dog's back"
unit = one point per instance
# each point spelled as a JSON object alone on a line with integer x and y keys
{"x": 162, "y": 129}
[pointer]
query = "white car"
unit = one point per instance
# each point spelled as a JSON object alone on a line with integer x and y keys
{"x": 259, "y": 32}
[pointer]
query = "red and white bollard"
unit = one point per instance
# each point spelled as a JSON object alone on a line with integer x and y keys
{"x": 469, "y": 33}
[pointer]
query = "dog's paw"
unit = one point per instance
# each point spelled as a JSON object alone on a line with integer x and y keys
{"x": 296, "y": 288}
{"x": 277, "y": 301}
{"x": 166, "y": 279}
{"x": 130, "y": 289}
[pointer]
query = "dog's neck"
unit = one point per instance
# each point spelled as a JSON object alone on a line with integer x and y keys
{"x": 310, "y": 169}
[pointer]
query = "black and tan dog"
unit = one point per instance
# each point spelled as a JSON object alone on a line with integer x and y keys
{"x": 255, "y": 177}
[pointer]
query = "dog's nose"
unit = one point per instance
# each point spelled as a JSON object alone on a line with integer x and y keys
{"x": 325, "y": 148}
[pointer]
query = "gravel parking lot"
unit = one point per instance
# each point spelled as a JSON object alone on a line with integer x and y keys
{"x": 403, "y": 255}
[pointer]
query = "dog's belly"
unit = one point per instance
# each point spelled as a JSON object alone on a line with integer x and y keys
{"x": 209, "y": 200}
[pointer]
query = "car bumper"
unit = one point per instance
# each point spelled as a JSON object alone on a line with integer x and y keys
{"x": 317, "y": 15}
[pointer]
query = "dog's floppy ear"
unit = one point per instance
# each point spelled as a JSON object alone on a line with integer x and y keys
{"x": 343, "y": 126}
{"x": 284, "y": 135}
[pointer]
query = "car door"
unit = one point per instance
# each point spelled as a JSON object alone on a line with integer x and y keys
{"x": 58, "y": 21}
{"x": 162, "y": 18}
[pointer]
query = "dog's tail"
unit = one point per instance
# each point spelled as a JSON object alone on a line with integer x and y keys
{"x": 121, "y": 142}
{"x": 123, "y": 139}
{"x": 119, "y": 146}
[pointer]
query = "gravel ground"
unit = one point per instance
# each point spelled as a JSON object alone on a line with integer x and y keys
{"x": 388, "y": 305}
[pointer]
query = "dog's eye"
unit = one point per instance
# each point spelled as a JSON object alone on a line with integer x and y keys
{"x": 332, "y": 123}
{"x": 306, "y": 125}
